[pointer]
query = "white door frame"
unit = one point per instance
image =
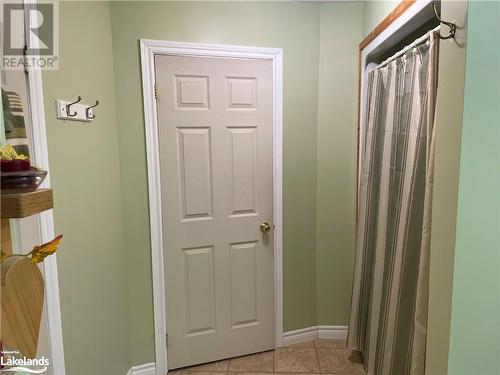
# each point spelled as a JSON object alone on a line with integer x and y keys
{"x": 46, "y": 225}
{"x": 150, "y": 48}
{"x": 40, "y": 157}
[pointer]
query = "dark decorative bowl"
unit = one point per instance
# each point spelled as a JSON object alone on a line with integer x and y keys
{"x": 22, "y": 181}
{"x": 15, "y": 165}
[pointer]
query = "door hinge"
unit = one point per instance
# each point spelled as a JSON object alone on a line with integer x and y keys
{"x": 166, "y": 339}
{"x": 156, "y": 92}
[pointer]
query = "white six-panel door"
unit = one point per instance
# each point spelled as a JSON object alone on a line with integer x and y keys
{"x": 215, "y": 132}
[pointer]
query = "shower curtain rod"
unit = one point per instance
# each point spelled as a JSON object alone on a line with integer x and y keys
{"x": 417, "y": 42}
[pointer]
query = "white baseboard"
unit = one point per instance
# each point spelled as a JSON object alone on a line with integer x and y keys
{"x": 332, "y": 332}
{"x": 315, "y": 332}
{"x": 145, "y": 369}
{"x": 300, "y": 335}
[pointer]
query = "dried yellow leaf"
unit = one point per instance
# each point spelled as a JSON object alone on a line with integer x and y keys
{"x": 40, "y": 252}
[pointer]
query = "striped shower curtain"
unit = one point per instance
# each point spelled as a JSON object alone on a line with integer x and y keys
{"x": 390, "y": 289}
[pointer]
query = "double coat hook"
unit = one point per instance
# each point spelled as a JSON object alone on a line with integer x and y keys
{"x": 74, "y": 113}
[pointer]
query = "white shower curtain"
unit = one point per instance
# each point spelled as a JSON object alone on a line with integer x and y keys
{"x": 390, "y": 289}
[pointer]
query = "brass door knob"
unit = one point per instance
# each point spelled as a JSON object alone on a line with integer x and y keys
{"x": 265, "y": 227}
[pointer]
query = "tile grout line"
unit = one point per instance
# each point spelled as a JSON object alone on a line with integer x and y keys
{"x": 317, "y": 356}
{"x": 274, "y": 360}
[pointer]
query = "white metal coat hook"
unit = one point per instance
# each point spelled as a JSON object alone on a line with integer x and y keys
{"x": 88, "y": 111}
{"x": 68, "y": 107}
{"x": 75, "y": 110}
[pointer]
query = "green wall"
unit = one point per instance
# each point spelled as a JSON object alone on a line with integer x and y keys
{"x": 340, "y": 33}
{"x": 291, "y": 26}
{"x": 375, "y": 11}
{"x": 101, "y": 186}
{"x": 319, "y": 180}
{"x": 85, "y": 175}
{"x": 475, "y": 322}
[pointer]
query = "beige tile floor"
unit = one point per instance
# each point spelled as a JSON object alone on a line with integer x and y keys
{"x": 313, "y": 357}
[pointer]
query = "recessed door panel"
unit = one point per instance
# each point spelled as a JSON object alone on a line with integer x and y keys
{"x": 191, "y": 92}
{"x": 199, "y": 290}
{"x": 244, "y": 286}
{"x": 243, "y": 170}
{"x": 242, "y": 93}
{"x": 195, "y": 171}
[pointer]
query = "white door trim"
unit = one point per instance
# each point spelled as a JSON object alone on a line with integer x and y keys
{"x": 40, "y": 158}
{"x": 150, "y": 48}
{"x": 46, "y": 224}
